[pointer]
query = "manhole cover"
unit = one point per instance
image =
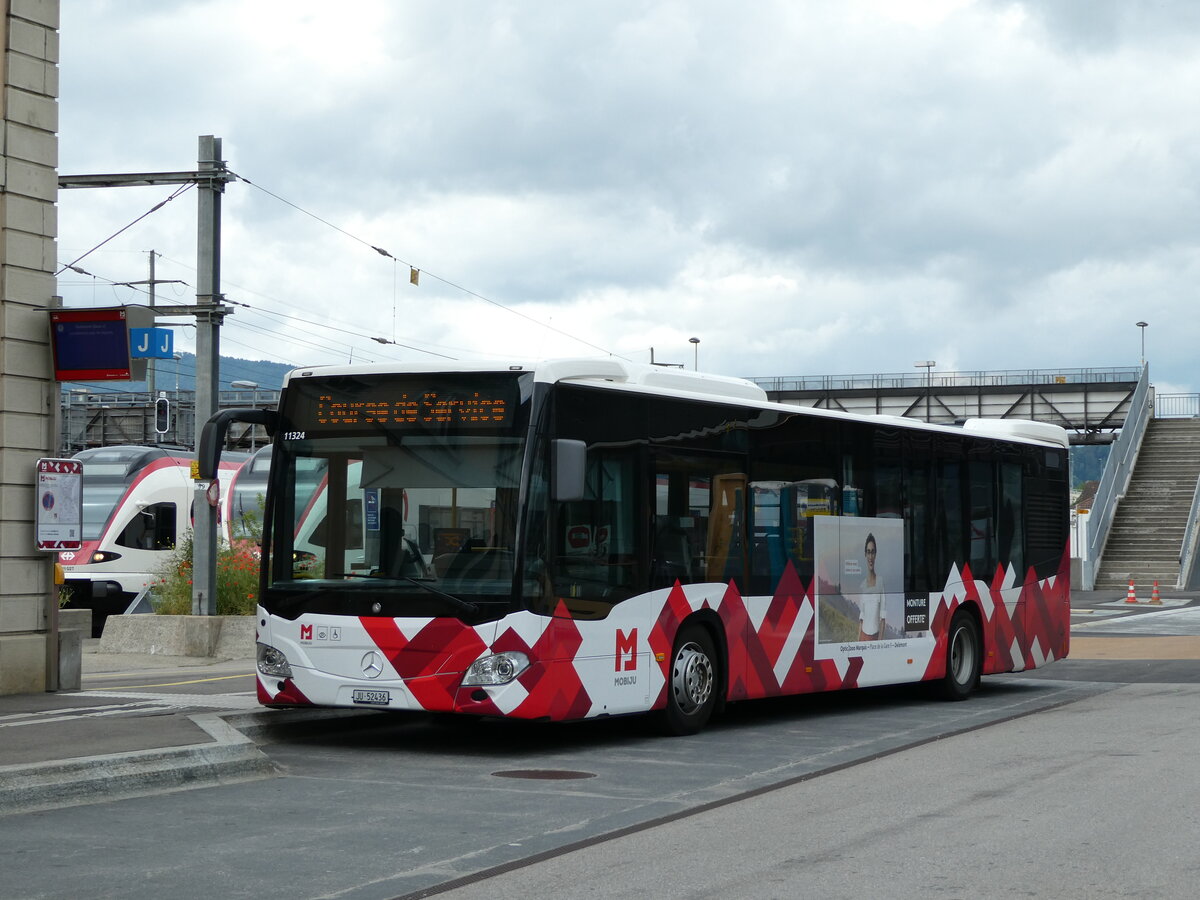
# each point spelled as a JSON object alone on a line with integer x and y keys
{"x": 544, "y": 774}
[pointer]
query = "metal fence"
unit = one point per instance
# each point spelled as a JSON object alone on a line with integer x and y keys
{"x": 103, "y": 418}
{"x": 1117, "y": 472}
{"x": 1176, "y": 406}
{"x": 948, "y": 379}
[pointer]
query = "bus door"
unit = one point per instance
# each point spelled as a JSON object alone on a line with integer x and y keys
{"x": 593, "y": 560}
{"x": 697, "y": 531}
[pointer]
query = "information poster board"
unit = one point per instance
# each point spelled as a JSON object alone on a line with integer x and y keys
{"x": 90, "y": 344}
{"x": 59, "y": 493}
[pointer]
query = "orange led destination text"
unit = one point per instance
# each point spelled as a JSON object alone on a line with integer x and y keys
{"x": 411, "y": 409}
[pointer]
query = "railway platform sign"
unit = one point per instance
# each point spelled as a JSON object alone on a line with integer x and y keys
{"x": 93, "y": 344}
{"x": 151, "y": 343}
{"x": 59, "y": 504}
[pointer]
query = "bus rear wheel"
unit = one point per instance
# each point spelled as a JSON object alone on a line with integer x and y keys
{"x": 964, "y": 657}
{"x": 691, "y": 682}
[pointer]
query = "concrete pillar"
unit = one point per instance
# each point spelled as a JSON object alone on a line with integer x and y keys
{"x": 28, "y": 226}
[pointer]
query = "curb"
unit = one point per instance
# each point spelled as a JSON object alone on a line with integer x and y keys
{"x": 231, "y": 757}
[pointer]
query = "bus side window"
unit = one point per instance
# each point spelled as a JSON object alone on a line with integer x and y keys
{"x": 782, "y": 518}
{"x": 725, "y": 553}
{"x": 1012, "y": 539}
{"x": 982, "y": 495}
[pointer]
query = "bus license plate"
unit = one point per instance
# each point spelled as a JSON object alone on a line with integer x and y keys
{"x": 371, "y": 698}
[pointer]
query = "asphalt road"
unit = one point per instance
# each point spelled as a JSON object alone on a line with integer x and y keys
{"x": 381, "y": 812}
{"x": 1095, "y": 799}
{"x": 1079, "y": 780}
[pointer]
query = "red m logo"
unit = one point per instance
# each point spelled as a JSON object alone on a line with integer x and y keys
{"x": 306, "y": 632}
{"x": 626, "y": 651}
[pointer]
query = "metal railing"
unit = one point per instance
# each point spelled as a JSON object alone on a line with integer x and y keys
{"x": 1187, "y": 550}
{"x": 948, "y": 379}
{"x": 97, "y": 417}
{"x": 1116, "y": 477}
{"x": 234, "y": 397}
{"x": 1184, "y": 406}
{"x": 1177, "y": 406}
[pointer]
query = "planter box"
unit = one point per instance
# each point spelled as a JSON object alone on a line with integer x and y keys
{"x": 219, "y": 637}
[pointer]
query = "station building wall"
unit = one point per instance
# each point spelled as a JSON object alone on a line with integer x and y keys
{"x": 28, "y": 393}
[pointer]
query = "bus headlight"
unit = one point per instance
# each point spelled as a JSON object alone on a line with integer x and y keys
{"x": 273, "y": 662}
{"x": 501, "y": 668}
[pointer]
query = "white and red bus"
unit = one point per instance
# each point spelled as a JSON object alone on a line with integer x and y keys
{"x": 584, "y": 538}
{"x": 136, "y": 509}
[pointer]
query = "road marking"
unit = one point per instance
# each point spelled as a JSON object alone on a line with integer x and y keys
{"x": 1148, "y": 601}
{"x": 1158, "y": 622}
{"x": 242, "y": 700}
{"x": 134, "y": 687}
{"x": 53, "y": 716}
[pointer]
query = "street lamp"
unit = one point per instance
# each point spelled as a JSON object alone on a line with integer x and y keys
{"x": 1142, "y": 326}
{"x": 695, "y": 342}
{"x": 249, "y": 386}
{"x": 927, "y": 365}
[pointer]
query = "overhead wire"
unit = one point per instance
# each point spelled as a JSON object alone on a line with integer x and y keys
{"x": 382, "y": 252}
{"x": 322, "y": 325}
{"x": 170, "y": 302}
{"x": 73, "y": 265}
{"x": 295, "y": 340}
{"x": 175, "y": 193}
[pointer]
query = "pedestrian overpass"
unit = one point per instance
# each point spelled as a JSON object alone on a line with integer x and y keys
{"x": 1144, "y": 523}
{"x": 1091, "y": 404}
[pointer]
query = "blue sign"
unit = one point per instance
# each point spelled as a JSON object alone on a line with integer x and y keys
{"x": 151, "y": 343}
{"x": 90, "y": 345}
{"x": 371, "y": 496}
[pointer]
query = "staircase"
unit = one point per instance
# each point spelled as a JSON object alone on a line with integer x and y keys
{"x": 1147, "y": 530}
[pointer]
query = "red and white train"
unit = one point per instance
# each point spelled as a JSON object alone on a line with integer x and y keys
{"x": 137, "y": 504}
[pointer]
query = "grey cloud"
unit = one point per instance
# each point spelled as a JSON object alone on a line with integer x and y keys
{"x": 1102, "y": 26}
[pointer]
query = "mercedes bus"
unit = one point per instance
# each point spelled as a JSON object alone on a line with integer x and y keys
{"x": 585, "y": 538}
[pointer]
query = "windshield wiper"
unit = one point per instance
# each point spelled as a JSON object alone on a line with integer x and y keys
{"x": 463, "y": 606}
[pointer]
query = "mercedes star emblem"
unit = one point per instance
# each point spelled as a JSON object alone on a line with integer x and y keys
{"x": 372, "y": 665}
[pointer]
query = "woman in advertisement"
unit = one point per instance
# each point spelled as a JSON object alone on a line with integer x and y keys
{"x": 870, "y": 601}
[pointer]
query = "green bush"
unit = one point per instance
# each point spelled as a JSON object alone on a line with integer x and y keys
{"x": 237, "y": 580}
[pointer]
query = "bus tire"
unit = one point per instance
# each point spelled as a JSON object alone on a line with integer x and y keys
{"x": 691, "y": 682}
{"x": 964, "y": 657}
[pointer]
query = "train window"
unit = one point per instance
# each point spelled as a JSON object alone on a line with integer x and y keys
{"x": 153, "y": 528}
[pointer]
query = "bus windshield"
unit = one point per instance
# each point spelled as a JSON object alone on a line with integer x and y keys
{"x": 393, "y": 512}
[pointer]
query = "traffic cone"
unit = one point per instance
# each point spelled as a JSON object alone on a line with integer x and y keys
{"x": 1131, "y": 597}
{"x": 1155, "y": 600}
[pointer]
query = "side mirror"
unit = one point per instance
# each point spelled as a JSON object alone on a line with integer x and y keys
{"x": 212, "y": 436}
{"x": 568, "y": 462}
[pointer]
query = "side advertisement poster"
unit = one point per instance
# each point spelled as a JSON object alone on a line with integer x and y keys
{"x": 861, "y": 602}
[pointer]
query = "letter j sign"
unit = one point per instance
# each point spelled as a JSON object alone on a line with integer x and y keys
{"x": 151, "y": 343}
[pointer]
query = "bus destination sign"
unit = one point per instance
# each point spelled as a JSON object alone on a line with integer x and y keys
{"x": 344, "y": 406}
{"x": 414, "y": 408}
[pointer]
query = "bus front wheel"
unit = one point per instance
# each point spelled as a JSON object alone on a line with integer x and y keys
{"x": 691, "y": 682}
{"x": 964, "y": 657}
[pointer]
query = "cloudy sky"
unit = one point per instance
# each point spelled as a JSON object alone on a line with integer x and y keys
{"x": 807, "y": 187}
